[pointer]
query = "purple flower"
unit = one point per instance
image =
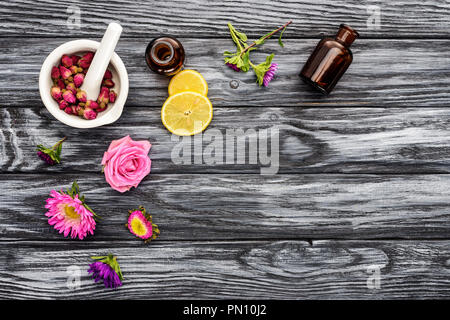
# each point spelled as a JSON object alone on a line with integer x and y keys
{"x": 233, "y": 66}
{"x": 46, "y": 158}
{"x": 268, "y": 76}
{"x": 103, "y": 271}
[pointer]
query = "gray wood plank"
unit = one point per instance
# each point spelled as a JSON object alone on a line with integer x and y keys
{"x": 201, "y": 18}
{"x": 311, "y": 140}
{"x": 231, "y": 270}
{"x": 242, "y": 206}
{"x": 388, "y": 73}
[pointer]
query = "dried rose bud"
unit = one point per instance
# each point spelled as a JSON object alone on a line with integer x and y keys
{"x": 68, "y": 110}
{"x": 65, "y": 73}
{"x": 78, "y": 79}
{"x": 75, "y": 59}
{"x": 66, "y": 61}
{"x": 81, "y": 96}
{"x": 86, "y": 60}
{"x": 63, "y": 104}
{"x": 108, "y": 75}
{"x": 73, "y": 69}
{"x": 108, "y": 83}
{"x": 104, "y": 95}
{"x": 74, "y": 109}
{"x": 60, "y": 83}
{"x": 89, "y": 114}
{"x": 56, "y": 93}
{"x": 71, "y": 86}
{"x": 102, "y": 107}
{"x": 79, "y": 110}
{"x": 91, "y": 104}
{"x": 69, "y": 96}
{"x": 55, "y": 73}
{"x": 112, "y": 96}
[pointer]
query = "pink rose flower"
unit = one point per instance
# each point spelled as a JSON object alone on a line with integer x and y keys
{"x": 126, "y": 163}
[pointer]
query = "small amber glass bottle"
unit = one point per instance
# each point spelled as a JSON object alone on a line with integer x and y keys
{"x": 165, "y": 55}
{"x": 330, "y": 60}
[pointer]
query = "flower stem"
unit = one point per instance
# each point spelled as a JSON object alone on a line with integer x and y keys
{"x": 267, "y": 36}
{"x": 58, "y": 143}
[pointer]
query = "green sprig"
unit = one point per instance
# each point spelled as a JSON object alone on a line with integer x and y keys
{"x": 54, "y": 152}
{"x": 241, "y": 58}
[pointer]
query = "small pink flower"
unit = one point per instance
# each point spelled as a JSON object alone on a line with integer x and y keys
{"x": 66, "y": 61}
{"x": 75, "y": 59}
{"x": 126, "y": 163}
{"x": 108, "y": 75}
{"x": 56, "y": 93}
{"x": 55, "y": 74}
{"x": 78, "y": 79}
{"x": 112, "y": 96}
{"x": 63, "y": 104}
{"x": 65, "y": 73}
{"x": 81, "y": 96}
{"x": 69, "y": 96}
{"x": 71, "y": 86}
{"x": 86, "y": 60}
{"x": 103, "y": 96}
{"x": 91, "y": 104}
{"x": 89, "y": 114}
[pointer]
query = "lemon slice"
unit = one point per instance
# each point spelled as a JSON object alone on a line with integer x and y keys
{"x": 188, "y": 80}
{"x": 186, "y": 113}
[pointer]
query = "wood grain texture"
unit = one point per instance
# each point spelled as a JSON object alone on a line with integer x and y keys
{"x": 232, "y": 270}
{"x": 386, "y": 73}
{"x": 200, "y": 18}
{"x": 311, "y": 140}
{"x": 226, "y": 206}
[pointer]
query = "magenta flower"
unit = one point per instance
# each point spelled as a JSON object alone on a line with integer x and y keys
{"x": 51, "y": 155}
{"x": 233, "y": 66}
{"x": 270, "y": 73}
{"x": 106, "y": 269}
{"x": 140, "y": 224}
{"x": 69, "y": 214}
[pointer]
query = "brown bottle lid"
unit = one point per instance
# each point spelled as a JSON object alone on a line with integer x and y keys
{"x": 346, "y": 35}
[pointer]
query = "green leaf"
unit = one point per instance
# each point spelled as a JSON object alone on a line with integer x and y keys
{"x": 279, "y": 39}
{"x": 261, "y": 69}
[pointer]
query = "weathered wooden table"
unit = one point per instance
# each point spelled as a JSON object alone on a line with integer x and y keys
{"x": 363, "y": 185}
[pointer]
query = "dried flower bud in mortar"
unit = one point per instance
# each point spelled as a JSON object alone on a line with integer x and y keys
{"x": 112, "y": 96}
{"x": 78, "y": 79}
{"x": 60, "y": 83}
{"x": 71, "y": 86}
{"x": 91, "y": 104}
{"x": 55, "y": 73}
{"x": 56, "y": 93}
{"x": 63, "y": 104}
{"x": 86, "y": 60}
{"x": 68, "y": 110}
{"x": 108, "y": 75}
{"x": 104, "y": 95}
{"x": 108, "y": 83}
{"x": 69, "y": 96}
{"x": 89, "y": 114}
{"x": 65, "y": 73}
{"x": 81, "y": 96}
{"x": 79, "y": 110}
{"x": 66, "y": 61}
{"x": 75, "y": 59}
{"x": 102, "y": 107}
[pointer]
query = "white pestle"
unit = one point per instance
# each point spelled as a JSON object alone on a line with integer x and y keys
{"x": 94, "y": 77}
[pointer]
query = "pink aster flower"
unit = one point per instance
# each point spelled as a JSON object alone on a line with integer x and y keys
{"x": 270, "y": 73}
{"x": 69, "y": 214}
{"x": 140, "y": 224}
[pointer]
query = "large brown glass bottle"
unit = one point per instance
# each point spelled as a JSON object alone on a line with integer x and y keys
{"x": 165, "y": 55}
{"x": 330, "y": 60}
